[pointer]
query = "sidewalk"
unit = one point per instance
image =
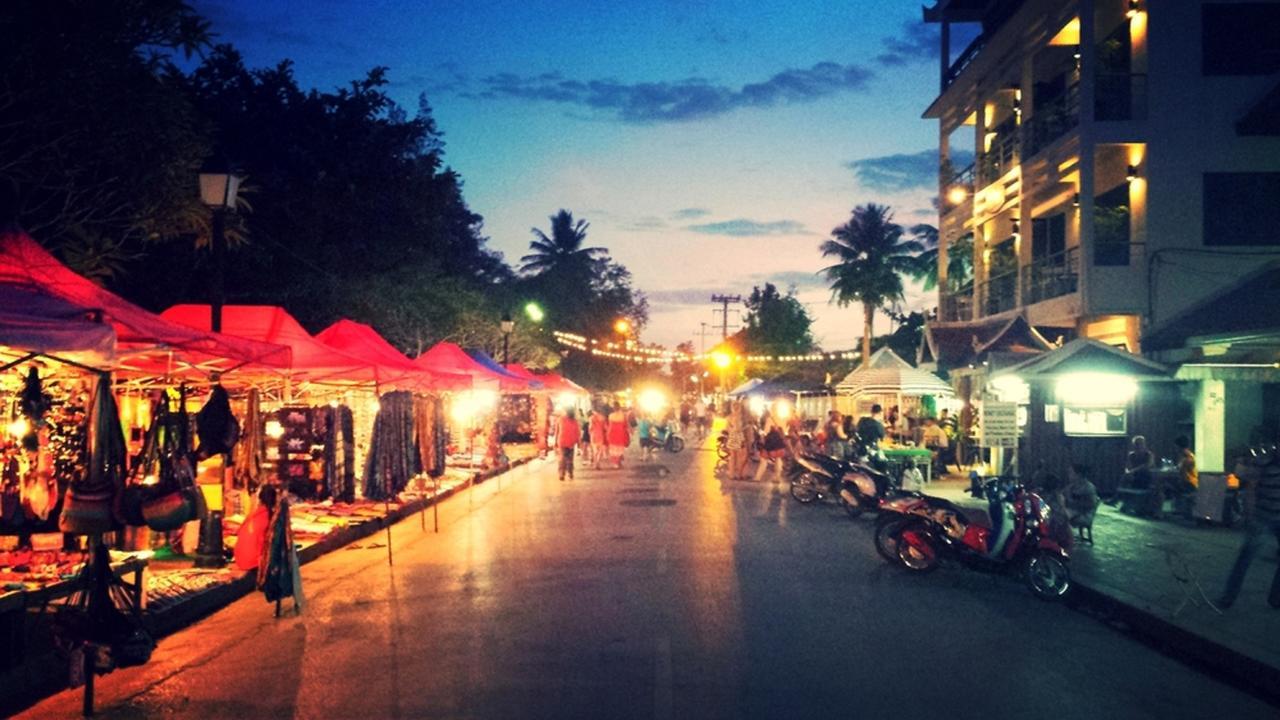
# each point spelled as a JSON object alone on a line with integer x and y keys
{"x": 1161, "y": 578}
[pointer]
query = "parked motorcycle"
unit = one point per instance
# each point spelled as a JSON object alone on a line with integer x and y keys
{"x": 859, "y": 486}
{"x": 931, "y": 529}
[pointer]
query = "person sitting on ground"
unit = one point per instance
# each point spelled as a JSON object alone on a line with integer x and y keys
{"x": 1137, "y": 466}
{"x": 1080, "y": 497}
{"x": 871, "y": 429}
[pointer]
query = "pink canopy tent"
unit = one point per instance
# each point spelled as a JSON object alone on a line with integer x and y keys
{"x": 448, "y": 357}
{"x": 552, "y": 382}
{"x": 360, "y": 340}
{"x": 311, "y": 359}
{"x": 143, "y": 338}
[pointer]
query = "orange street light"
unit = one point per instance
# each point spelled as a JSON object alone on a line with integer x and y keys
{"x": 622, "y": 327}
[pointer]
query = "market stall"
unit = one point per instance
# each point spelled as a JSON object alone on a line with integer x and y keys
{"x": 891, "y": 382}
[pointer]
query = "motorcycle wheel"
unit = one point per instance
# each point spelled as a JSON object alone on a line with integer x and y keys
{"x": 675, "y": 444}
{"x": 1048, "y": 576}
{"x": 805, "y": 488}
{"x": 887, "y": 531}
{"x": 917, "y": 559}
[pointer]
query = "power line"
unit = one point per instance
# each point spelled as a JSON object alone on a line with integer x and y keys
{"x": 724, "y": 301}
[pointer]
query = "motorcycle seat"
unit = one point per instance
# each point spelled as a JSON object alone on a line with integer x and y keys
{"x": 972, "y": 515}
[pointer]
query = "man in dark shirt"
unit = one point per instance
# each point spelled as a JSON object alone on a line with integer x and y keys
{"x": 1262, "y": 510}
{"x": 870, "y": 428}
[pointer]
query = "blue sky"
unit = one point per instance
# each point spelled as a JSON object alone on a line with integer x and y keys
{"x": 711, "y": 145}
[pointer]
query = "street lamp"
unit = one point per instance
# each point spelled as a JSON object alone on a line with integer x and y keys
{"x": 507, "y": 326}
{"x": 218, "y": 189}
{"x": 534, "y": 312}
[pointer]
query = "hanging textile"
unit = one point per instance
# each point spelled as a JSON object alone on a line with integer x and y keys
{"x": 339, "y": 477}
{"x": 246, "y": 471}
{"x": 424, "y": 424}
{"x": 348, "y": 423}
{"x": 89, "y": 505}
{"x": 279, "y": 575}
{"x": 393, "y": 455}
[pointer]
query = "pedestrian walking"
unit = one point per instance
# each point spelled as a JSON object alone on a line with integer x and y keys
{"x": 773, "y": 448}
{"x": 568, "y": 434}
{"x": 619, "y": 436}
{"x": 1262, "y": 517}
{"x": 736, "y": 439}
{"x": 597, "y": 432}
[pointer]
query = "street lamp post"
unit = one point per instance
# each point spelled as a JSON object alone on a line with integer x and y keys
{"x": 507, "y": 326}
{"x": 218, "y": 189}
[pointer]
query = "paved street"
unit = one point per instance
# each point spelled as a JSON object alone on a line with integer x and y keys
{"x": 621, "y": 596}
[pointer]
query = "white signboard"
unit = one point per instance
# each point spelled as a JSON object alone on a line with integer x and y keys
{"x": 999, "y": 424}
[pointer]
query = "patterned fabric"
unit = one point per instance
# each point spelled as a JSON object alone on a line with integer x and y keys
{"x": 278, "y": 573}
{"x": 393, "y": 454}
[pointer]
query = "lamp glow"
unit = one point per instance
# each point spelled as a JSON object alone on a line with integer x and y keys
{"x": 1096, "y": 389}
{"x": 622, "y": 327}
{"x": 957, "y": 194}
{"x": 782, "y": 409}
{"x": 651, "y": 400}
{"x": 566, "y": 400}
{"x": 756, "y": 404}
{"x": 19, "y": 428}
{"x": 273, "y": 429}
{"x": 1011, "y": 388}
{"x": 721, "y": 359}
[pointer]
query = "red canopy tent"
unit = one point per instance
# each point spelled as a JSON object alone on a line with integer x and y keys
{"x": 143, "y": 338}
{"x": 311, "y": 359}
{"x": 552, "y": 382}
{"x": 360, "y": 340}
{"x": 448, "y": 357}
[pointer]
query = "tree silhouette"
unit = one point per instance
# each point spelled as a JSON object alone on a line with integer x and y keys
{"x": 871, "y": 259}
{"x": 562, "y": 250}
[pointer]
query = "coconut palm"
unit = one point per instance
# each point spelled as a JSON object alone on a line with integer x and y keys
{"x": 562, "y": 250}
{"x": 871, "y": 259}
{"x": 959, "y": 258}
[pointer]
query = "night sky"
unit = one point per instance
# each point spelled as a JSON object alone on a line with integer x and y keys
{"x": 711, "y": 145}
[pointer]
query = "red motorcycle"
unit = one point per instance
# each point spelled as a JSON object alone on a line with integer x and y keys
{"x": 919, "y": 532}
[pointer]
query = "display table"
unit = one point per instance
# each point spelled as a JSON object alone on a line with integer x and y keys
{"x": 920, "y": 457}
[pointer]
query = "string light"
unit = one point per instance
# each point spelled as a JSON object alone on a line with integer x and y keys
{"x": 650, "y": 355}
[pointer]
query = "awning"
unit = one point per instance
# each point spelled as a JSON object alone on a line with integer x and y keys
{"x": 34, "y": 322}
{"x": 310, "y": 359}
{"x": 551, "y": 381}
{"x": 24, "y": 264}
{"x": 1085, "y": 355}
{"x": 746, "y": 387}
{"x": 449, "y": 358}
{"x": 887, "y": 374}
{"x": 360, "y": 340}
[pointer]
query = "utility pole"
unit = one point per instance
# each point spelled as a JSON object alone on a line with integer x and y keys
{"x": 702, "y": 346}
{"x": 724, "y": 301}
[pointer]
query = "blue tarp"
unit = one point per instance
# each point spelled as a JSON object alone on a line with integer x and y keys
{"x": 489, "y": 363}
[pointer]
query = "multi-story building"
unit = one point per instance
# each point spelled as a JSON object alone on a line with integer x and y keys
{"x": 1126, "y": 158}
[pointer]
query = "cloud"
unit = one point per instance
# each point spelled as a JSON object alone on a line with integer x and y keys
{"x": 904, "y": 171}
{"x": 918, "y": 42}
{"x": 690, "y": 99}
{"x": 742, "y": 227}
{"x": 645, "y": 224}
{"x": 785, "y": 280}
{"x": 690, "y": 213}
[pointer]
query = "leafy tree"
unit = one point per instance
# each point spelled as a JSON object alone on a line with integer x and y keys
{"x": 872, "y": 257}
{"x": 776, "y": 324}
{"x": 95, "y": 130}
{"x": 959, "y": 258}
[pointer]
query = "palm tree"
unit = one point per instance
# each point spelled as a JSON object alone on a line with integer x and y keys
{"x": 959, "y": 258}
{"x": 871, "y": 259}
{"x": 562, "y": 250}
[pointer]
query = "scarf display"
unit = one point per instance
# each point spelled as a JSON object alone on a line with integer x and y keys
{"x": 279, "y": 575}
{"x": 429, "y": 421}
{"x": 246, "y": 468}
{"x": 393, "y": 454}
{"x": 339, "y": 454}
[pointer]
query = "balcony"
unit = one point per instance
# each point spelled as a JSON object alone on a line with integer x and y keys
{"x": 1120, "y": 97}
{"x": 1051, "y": 121}
{"x": 957, "y": 305}
{"x": 1052, "y": 276}
{"x": 1001, "y": 156}
{"x": 1000, "y": 293}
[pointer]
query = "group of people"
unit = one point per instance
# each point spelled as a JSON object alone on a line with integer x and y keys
{"x": 603, "y": 436}
{"x": 770, "y": 436}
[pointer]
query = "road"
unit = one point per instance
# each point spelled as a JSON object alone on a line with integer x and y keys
{"x": 618, "y": 595}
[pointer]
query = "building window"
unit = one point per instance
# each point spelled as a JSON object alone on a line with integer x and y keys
{"x": 1048, "y": 238}
{"x": 1240, "y": 38}
{"x": 1242, "y": 208}
{"x": 1111, "y": 227}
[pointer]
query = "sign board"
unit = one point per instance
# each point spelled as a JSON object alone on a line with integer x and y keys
{"x": 999, "y": 424}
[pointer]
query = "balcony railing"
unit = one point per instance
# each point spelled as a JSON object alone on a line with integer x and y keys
{"x": 1051, "y": 276}
{"x": 1120, "y": 97}
{"x": 957, "y": 305}
{"x": 965, "y": 58}
{"x": 1001, "y": 156}
{"x": 1051, "y": 121}
{"x": 1000, "y": 293}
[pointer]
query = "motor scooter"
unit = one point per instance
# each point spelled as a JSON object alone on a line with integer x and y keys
{"x": 921, "y": 532}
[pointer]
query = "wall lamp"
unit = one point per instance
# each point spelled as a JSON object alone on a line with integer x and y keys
{"x": 1133, "y": 9}
{"x": 1131, "y": 173}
